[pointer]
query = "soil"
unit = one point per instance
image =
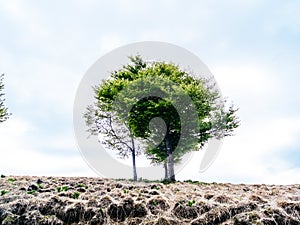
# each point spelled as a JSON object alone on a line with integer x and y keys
{"x": 81, "y": 200}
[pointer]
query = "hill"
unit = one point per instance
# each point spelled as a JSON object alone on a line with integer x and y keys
{"x": 80, "y": 200}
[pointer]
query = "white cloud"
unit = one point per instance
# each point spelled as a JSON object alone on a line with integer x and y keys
{"x": 19, "y": 156}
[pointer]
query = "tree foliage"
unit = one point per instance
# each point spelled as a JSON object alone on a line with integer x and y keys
{"x": 102, "y": 120}
{"x": 4, "y": 115}
{"x": 141, "y": 92}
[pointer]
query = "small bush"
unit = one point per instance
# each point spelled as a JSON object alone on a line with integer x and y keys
{"x": 58, "y": 189}
{"x": 3, "y": 192}
{"x": 65, "y": 188}
{"x": 190, "y": 203}
{"x": 11, "y": 180}
{"x": 191, "y": 181}
{"x": 75, "y": 195}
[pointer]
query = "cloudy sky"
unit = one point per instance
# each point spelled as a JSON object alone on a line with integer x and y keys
{"x": 251, "y": 47}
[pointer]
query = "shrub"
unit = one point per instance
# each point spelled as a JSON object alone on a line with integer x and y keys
{"x": 190, "y": 203}
{"x": 75, "y": 195}
{"x": 3, "y": 192}
{"x": 65, "y": 188}
{"x": 58, "y": 189}
{"x": 11, "y": 180}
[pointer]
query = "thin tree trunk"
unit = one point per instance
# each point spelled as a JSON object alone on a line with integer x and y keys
{"x": 133, "y": 158}
{"x": 170, "y": 157}
{"x": 166, "y": 169}
{"x": 134, "y": 165}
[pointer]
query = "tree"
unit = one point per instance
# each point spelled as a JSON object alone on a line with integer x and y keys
{"x": 4, "y": 115}
{"x": 191, "y": 109}
{"x": 102, "y": 120}
{"x": 113, "y": 133}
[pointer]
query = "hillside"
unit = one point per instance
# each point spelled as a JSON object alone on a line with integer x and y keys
{"x": 79, "y": 200}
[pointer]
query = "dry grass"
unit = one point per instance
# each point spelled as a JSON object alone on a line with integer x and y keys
{"x": 61, "y": 200}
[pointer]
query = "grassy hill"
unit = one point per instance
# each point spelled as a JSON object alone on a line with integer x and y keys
{"x": 81, "y": 200}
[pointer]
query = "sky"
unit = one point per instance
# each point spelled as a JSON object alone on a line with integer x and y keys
{"x": 251, "y": 47}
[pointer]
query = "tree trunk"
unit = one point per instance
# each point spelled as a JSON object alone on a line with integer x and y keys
{"x": 134, "y": 165}
{"x": 133, "y": 158}
{"x": 166, "y": 169}
{"x": 170, "y": 157}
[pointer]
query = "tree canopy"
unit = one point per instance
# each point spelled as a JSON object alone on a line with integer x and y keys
{"x": 4, "y": 115}
{"x": 191, "y": 109}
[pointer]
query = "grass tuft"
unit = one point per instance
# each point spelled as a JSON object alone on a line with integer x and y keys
{"x": 75, "y": 195}
{"x": 3, "y": 192}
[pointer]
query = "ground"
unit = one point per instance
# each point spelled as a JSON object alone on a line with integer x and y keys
{"x": 81, "y": 200}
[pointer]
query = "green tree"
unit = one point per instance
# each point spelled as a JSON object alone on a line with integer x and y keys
{"x": 141, "y": 92}
{"x": 4, "y": 115}
{"x": 102, "y": 120}
{"x": 173, "y": 85}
